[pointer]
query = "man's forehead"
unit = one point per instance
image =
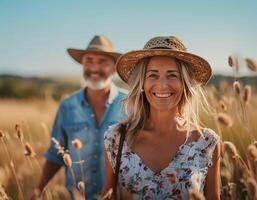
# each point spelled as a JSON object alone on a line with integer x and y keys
{"x": 96, "y": 56}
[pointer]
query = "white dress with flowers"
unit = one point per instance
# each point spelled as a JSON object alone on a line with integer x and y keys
{"x": 187, "y": 169}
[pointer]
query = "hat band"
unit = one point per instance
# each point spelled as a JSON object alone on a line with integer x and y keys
{"x": 160, "y": 48}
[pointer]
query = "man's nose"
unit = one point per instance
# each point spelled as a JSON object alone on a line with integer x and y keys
{"x": 93, "y": 67}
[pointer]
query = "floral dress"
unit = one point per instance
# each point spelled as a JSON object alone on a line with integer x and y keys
{"x": 187, "y": 169}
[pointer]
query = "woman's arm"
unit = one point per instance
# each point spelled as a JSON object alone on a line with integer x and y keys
{"x": 212, "y": 186}
{"x": 108, "y": 177}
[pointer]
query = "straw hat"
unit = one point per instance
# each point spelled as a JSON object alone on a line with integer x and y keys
{"x": 164, "y": 46}
{"x": 99, "y": 44}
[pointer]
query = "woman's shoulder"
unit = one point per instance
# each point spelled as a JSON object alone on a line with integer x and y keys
{"x": 111, "y": 131}
{"x": 111, "y": 143}
{"x": 210, "y": 136}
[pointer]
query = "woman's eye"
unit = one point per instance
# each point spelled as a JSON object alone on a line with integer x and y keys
{"x": 152, "y": 75}
{"x": 172, "y": 76}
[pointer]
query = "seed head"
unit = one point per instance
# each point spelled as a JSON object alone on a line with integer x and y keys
{"x": 252, "y": 152}
{"x": 29, "y": 151}
{"x": 230, "y": 149}
{"x": 247, "y": 93}
{"x": 81, "y": 187}
{"x": 67, "y": 159}
{"x": 76, "y": 143}
{"x": 236, "y": 86}
{"x": 222, "y": 105}
{"x": 2, "y": 135}
{"x": 224, "y": 119}
{"x": 231, "y": 61}
{"x": 251, "y": 64}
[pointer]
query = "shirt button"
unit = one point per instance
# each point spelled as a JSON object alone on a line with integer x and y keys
{"x": 94, "y": 184}
{"x": 97, "y": 130}
{"x": 96, "y": 156}
{"x": 92, "y": 115}
{"x": 96, "y": 143}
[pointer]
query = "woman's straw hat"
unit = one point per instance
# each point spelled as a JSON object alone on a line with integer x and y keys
{"x": 164, "y": 46}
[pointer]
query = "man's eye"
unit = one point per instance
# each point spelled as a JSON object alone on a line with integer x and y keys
{"x": 88, "y": 62}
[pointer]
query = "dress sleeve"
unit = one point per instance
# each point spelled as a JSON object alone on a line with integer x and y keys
{"x": 111, "y": 143}
{"x": 211, "y": 140}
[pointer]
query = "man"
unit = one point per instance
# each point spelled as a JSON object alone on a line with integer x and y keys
{"x": 86, "y": 115}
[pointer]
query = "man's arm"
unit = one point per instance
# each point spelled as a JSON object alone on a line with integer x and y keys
{"x": 49, "y": 170}
{"x": 54, "y": 161}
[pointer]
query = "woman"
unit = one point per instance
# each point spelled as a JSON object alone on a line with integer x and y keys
{"x": 166, "y": 152}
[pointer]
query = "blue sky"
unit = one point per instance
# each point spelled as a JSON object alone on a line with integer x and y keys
{"x": 35, "y": 34}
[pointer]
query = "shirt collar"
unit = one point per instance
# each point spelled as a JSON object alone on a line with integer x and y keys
{"x": 112, "y": 95}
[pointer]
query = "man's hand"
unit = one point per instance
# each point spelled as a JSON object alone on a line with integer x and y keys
{"x": 49, "y": 170}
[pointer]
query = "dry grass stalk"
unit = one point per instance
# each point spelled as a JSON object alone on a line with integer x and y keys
{"x": 29, "y": 151}
{"x": 231, "y": 61}
{"x": 17, "y": 126}
{"x": 231, "y": 189}
{"x": 255, "y": 143}
{"x": 3, "y": 195}
{"x": 195, "y": 195}
{"x": 58, "y": 146}
{"x": 222, "y": 105}
{"x": 19, "y": 132}
{"x": 2, "y": 135}
{"x": 81, "y": 187}
{"x": 230, "y": 149}
{"x": 224, "y": 119}
{"x": 247, "y": 93}
{"x": 17, "y": 181}
{"x": 77, "y": 144}
{"x": 252, "y": 152}
{"x": 237, "y": 87}
{"x": 67, "y": 160}
{"x": 251, "y": 64}
{"x": 252, "y": 188}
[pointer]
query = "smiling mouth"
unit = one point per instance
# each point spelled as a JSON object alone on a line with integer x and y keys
{"x": 162, "y": 95}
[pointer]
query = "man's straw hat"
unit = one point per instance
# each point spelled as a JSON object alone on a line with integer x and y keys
{"x": 99, "y": 44}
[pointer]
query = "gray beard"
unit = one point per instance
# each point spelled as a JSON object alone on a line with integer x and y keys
{"x": 96, "y": 85}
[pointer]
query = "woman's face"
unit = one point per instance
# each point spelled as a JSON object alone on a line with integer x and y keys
{"x": 162, "y": 84}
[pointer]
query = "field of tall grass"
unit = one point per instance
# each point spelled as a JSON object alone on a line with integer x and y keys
{"x": 25, "y": 134}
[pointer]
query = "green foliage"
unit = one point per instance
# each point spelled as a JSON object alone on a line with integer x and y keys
{"x": 21, "y": 88}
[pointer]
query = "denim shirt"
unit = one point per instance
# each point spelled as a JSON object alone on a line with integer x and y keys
{"x": 75, "y": 119}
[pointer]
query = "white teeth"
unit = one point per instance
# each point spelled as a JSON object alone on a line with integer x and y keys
{"x": 163, "y": 95}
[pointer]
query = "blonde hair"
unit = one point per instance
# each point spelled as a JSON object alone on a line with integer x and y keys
{"x": 137, "y": 108}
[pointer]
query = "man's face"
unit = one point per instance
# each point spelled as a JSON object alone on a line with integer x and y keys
{"x": 97, "y": 70}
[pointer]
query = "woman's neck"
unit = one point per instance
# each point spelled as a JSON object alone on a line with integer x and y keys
{"x": 162, "y": 122}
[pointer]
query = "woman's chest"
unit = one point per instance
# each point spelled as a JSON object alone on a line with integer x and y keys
{"x": 176, "y": 178}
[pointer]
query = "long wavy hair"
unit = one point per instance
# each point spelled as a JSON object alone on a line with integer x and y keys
{"x": 137, "y": 108}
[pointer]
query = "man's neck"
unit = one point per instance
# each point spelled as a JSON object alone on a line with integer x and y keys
{"x": 97, "y": 97}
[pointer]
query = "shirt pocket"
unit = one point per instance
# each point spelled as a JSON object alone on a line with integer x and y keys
{"x": 78, "y": 130}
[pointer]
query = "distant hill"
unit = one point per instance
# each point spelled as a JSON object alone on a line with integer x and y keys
{"x": 34, "y": 87}
{"x": 12, "y": 86}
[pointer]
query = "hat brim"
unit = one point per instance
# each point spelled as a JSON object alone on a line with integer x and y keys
{"x": 77, "y": 54}
{"x": 127, "y": 62}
